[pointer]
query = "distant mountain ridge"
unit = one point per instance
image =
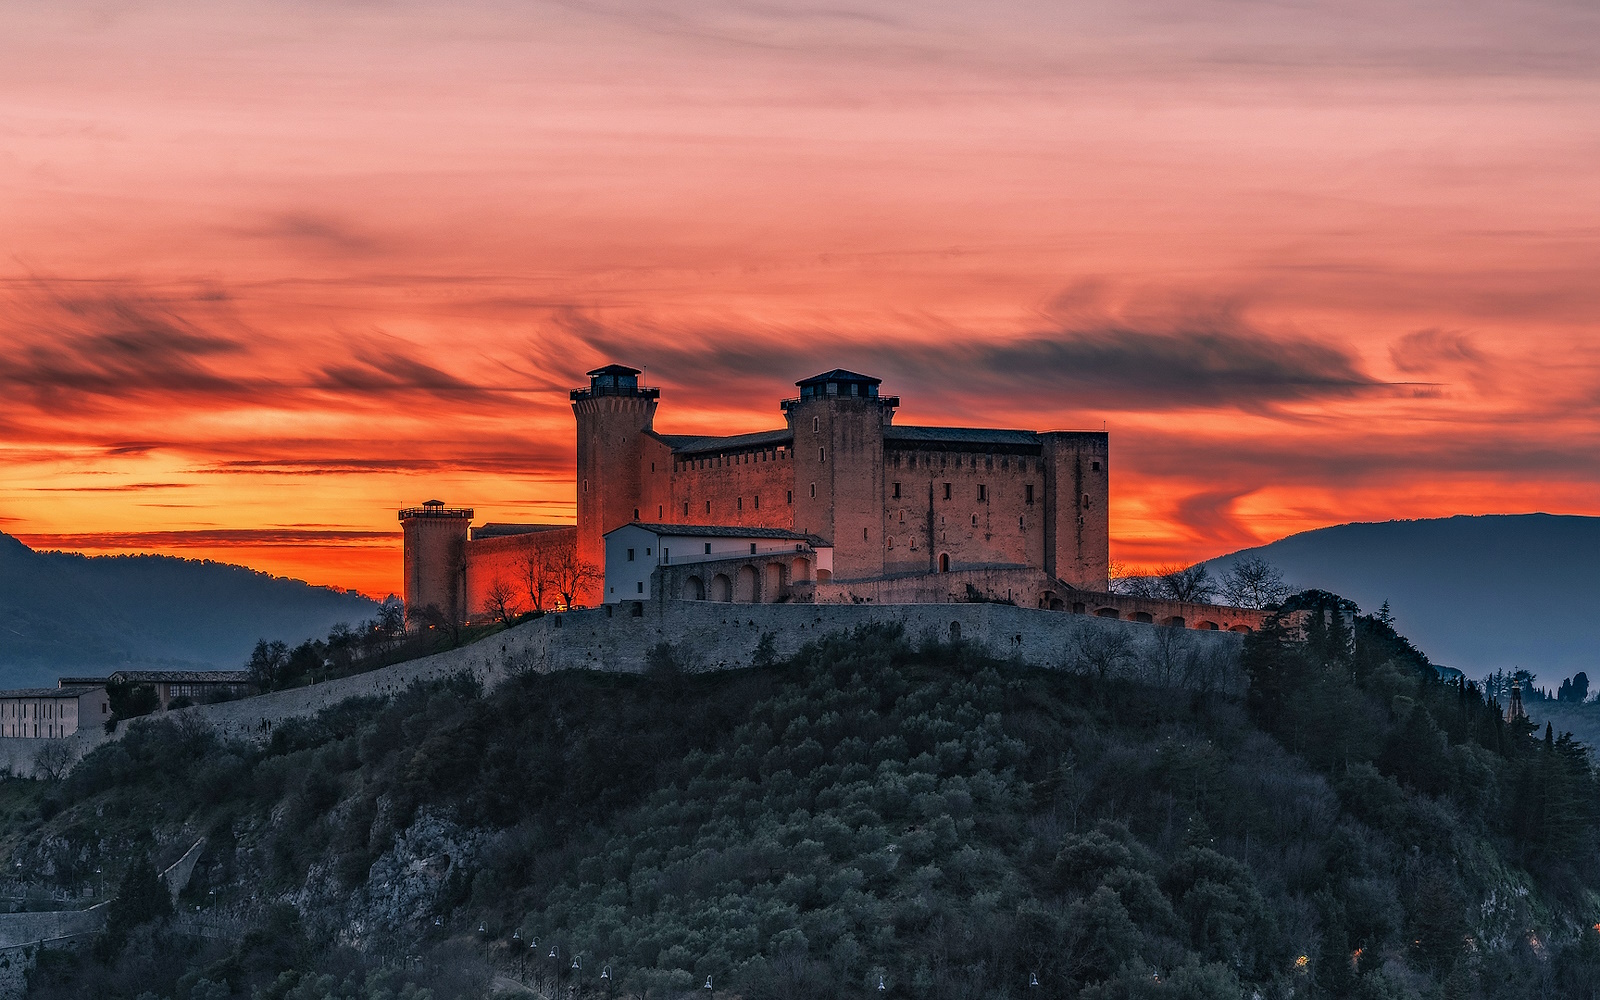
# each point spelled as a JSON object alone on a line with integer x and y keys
{"x": 1478, "y": 592}
{"x": 64, "y": 612}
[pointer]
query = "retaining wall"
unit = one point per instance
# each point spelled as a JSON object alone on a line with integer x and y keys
{"x": 715, "y": 636}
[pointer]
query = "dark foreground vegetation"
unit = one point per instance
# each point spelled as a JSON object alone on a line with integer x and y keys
{"x": 868, "y": 819}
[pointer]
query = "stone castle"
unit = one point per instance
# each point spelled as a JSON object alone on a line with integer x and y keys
{"x": 840, "y": 505}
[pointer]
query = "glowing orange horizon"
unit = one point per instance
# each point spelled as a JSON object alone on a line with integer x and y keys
{"x": 269, "y": 277}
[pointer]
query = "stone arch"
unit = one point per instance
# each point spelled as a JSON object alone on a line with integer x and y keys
{"x": 721, "y": 588}
{"x": 824, "y": 575}
{"x": 772, "y": 582}
{"x": 1107, "y": 613}
{"x": 1206, "y": 626}
{"x": 1143, "y": 616}
{"x": 1239, "y": 628}
{"x": 944, "y": 562}
{"x": 955, "y": 631}
{"x": 1079, "y": 608}
{"x": 1176, "y": 621}
{"x": 746, "y": 585}
{"x": 802, "y": 571}
{"x": 694, "y": 589}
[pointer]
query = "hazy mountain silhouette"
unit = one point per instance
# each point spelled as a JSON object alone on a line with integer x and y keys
{"x": 1478, "y": 593}
{"x": 62, "y": 612}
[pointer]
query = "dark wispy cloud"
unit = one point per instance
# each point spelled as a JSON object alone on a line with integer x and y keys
{"x": 1430, "y": 350}
{"x": 1109, "y": 366}
{"x": 317, "y": 232}
{"x": 154, "y": 541}
{"x": 118, "y": 488}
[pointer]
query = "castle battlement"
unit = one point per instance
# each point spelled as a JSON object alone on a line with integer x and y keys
{"x": 878, "y": 512}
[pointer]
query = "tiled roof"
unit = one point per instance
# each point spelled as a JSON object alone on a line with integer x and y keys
{"x": 839, "y": 375}
{"x": 181, "y": 676}
{"x": 496, "y": 529}
{"x": 724, "y": 531}
{"x": 55, "y": 692}
{"x": 683, "y": 444}
{"x": 960, "y": 435}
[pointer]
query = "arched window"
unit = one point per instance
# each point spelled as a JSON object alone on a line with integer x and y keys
{"x": 944, "y": 562}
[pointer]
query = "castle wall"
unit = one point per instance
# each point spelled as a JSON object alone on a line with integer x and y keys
{"x": 714, "y": 636}
{"x": 435, "y": 560}
{"x": 987, "y": 521}
{"x": 507, "y": 558}
{"x": 747, "y": 488}
{"x": 1077, "y": 508}
{"x": 838, "y": 478}
{"x": 612, "y": 430}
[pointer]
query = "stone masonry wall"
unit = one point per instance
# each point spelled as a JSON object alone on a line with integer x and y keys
{"x": 715, "y": 636}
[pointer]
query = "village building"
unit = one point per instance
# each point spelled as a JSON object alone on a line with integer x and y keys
{"x": 52, "y": 713}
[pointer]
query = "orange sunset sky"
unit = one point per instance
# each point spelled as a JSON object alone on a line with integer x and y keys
{"x": 270, "y": 271}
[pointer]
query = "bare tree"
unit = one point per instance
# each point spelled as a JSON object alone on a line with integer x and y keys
{"x": 1100, "y": 652}
{"x": 500, "y": 601}
{"x": 1187, "y": 584}
{"x": 1130, "y": 584}
{"x": 1167, "y": 659}
{"x": 1252, "y": 582}
{"x": 436, "y": 618}
{"x": 52, "y": 761}
{"x": 535, "y": 569}
{"x": 570, "y": 576}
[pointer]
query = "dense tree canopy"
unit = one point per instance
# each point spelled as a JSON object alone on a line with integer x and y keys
{"x": 873, "y": 812}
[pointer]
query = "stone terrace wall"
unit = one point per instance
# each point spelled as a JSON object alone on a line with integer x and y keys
{"x": 714, "y": 636}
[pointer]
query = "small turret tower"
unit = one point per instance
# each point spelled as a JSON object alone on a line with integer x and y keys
{"x": 435, "y": 558}
{"x": 613, "y": 413}
{"x": 838, "y": 422}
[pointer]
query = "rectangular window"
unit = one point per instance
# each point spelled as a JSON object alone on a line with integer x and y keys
{"x": 1095, "y": 466}
{"x": 758, "y": 501}
{"x": 897, "y": 491}
{"x": 813, "y": 491}
{"x": 822, "y": 454}
{"x": 983, "y": 493}
{"x": 738, "y": 504}
{"x": 947, "y": 491}
{"x": 1027, "y": 493}
{"x": 646, "y": 551}
{"x": 641, "y": 586}
{"x": 708, "y": 548}
{"x": 630, "y": 555}
{"x": 661, "y": 511}
{"x": 708, "y": 506}
{"x": 686, "y": 508}
{"x": 788, "y": 496}
{"x": 636, "y": 513}
{"x": 752, "y": 548}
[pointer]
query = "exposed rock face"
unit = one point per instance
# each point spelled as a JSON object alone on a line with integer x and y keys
{"x": 400, "y": 897}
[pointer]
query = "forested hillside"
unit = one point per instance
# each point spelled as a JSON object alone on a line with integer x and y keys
{"x": 61, "y": 612}
{"x": 869, "y": 819}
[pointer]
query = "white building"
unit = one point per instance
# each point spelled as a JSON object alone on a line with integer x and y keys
{"x": 635, "y": 551}
{"x": 51, "y": 713}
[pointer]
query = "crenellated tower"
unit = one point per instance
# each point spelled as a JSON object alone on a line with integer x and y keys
{"x": 435, "y": 539}
{"x": 1077, "y": 500}
{"x": 614, "y": 413}
{"x": 838, "y": 422}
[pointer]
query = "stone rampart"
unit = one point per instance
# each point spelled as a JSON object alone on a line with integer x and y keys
{"x": 715, "y": 636}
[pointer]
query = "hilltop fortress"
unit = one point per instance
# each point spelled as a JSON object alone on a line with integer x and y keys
{"x": 840, "y": 505}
